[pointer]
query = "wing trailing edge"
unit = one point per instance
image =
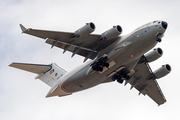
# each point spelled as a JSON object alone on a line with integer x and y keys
{"x": 145, "y": 85}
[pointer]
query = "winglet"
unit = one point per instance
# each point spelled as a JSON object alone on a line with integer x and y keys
{"x": 22, "y": 28}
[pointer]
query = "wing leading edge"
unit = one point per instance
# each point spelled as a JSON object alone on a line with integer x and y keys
{"x": 145, "y": 84}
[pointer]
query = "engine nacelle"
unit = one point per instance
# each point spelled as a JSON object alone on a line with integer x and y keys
{"x": 162, "y": 71}
{"x": 111, "y": 33}
{"x": 85, "y": 30}
{"x": 154, "y": 55}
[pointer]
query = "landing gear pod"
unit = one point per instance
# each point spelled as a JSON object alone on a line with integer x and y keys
{"x": 85, "y": 30}
{"x": 111, "y": 33}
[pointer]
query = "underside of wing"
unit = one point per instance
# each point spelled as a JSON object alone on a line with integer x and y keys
{"x": 87, "y": 46}
{"x": 145, "y": 83}
{"x": 86, "y": 52}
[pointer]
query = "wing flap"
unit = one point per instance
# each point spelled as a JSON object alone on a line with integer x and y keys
{"x": 75, "y": 49}
{"x": 34, "y": 68}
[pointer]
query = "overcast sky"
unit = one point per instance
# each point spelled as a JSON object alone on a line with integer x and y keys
{"x": 23, "y": 98}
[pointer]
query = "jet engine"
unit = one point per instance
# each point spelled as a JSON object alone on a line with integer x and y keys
{"x": 85, "y": 30}
{"x": 111, "y": 33}
{"x": 154, "y": 55}
{"x": 162, "y": 71}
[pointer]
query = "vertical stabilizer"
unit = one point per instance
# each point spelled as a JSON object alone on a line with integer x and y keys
{"x": 51, "y": 76}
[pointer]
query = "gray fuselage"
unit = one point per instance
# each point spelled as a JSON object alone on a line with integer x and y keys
{"x": 139, "y": 42}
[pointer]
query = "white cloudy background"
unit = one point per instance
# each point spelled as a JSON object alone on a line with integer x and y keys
{"x": 23, "y": 98}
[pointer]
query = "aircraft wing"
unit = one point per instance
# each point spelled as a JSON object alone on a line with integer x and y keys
{"x": 87, "y": 46}
{"x": 145, "y": 84}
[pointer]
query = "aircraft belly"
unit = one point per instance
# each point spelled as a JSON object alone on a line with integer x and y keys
{"x": 81, "y": 81}
{"x": 134, "y": 47}
{"x": 130, "y": 57}
{"x": 81, "y": 84}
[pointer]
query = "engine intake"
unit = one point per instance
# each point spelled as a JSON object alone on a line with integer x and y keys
{"x": 154, "y": 55}
{"x": 85, "y": 30}
{"x": 162, "y": 71}
{"x": 111, "y": 33}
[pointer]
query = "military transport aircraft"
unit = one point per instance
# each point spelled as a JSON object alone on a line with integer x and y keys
{"x": 113, "y": 57}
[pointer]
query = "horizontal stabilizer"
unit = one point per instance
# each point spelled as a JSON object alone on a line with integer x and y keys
{"x": 34, "y": 68}
{"x": 22, "y": 28}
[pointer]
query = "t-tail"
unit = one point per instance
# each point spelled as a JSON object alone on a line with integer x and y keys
{"x": 49, "y": 74}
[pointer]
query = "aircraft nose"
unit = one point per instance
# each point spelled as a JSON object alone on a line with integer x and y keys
{"x": 164, "y": 24}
